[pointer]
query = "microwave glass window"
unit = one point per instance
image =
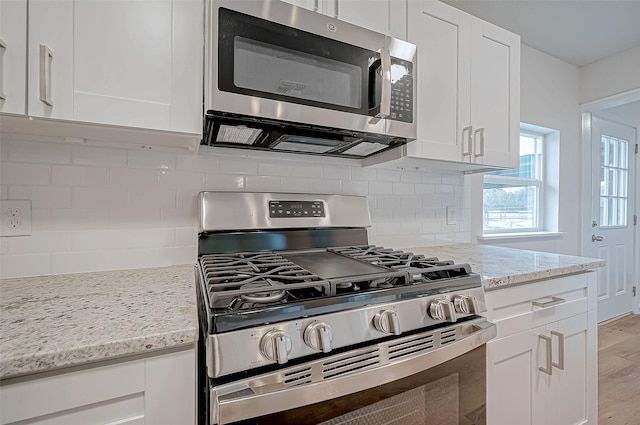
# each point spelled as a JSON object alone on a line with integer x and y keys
{"x": 292, "y": 73}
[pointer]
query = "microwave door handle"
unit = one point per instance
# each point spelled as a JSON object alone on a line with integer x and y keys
{"x": 385, "y": 98}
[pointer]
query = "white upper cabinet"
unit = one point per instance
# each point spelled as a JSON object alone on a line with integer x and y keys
{"x": 132, "y": 64}
{"x": 13, "y": 56}
{"x": 468, "y": 87}
{"x": 383, "y": 16}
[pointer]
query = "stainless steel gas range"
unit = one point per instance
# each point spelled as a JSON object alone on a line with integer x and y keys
{"x": 302, "y": 321}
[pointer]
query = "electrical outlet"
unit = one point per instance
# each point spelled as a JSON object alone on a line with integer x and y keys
{"x": 15, "y": 217}
{"x": 451, "y": 215}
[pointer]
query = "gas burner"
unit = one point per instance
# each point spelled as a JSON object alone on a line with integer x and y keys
{"x": 389, "y": 258}
{"x": 266, "y": 291}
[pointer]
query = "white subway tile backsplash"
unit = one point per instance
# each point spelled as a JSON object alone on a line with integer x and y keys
{"x": 336, "y": 172}
{"x": 359, "y": 173}
{"x": 147, "y": 159}
{"x": 78, "y": 218}
{"x": 49, "y": 153}
{"x": 125, "y": 178}
{"x": 25, "y": 174}
{"x": 108, "y": 197}
{"x": 274, "y": 169}
{"x": 157, "y": 198}
{"x": 295, "y": 184}
{"x": 92, "y": 155}
{"x": 96, "y": 240}
{"x": 326, "y": 186}
{"x": 24, "y": 265}
{"x": 388, "y": 175}
{"x": 150, "y": 238}
{"x": 354, "y": 187}
{"x": 391, "y": 201}
{"x": 72, "y": 175}
{"x": 101, "y": 208}
{"x": 43, "y": 241}
{"x": 204, "y": 163}
{"x": 186, "y": 236}
{"x": 182, "y": 180}
{"x": 238, "y": 166}
{"x": 380, "y": 188}
{"x": 306, "y": 170}
{"x": 403, "y": 189}
{"x": 43, "y": 196}
{"x": 226, "y": 182}
{"x": 263, "y": 183}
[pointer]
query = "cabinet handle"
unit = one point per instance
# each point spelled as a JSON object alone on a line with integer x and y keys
{"x": 548, "y": 302}
{"x": 547, "y": 369}
{"x": 3, "y": 46}
{"x": 315, "y": 5}
{"x": 335, "y": 9}
{"x": 46, "y": 57}
{"x": 467, "y": 130}
{"x": 481, "y": 150}
{"x": 560, "y": 364}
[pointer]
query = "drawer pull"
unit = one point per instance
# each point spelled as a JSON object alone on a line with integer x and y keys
{"x": 548, "y": 302}
{"x": 549, "y": 361}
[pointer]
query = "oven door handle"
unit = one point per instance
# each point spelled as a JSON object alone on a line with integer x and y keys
{"x": 239, "y": 401}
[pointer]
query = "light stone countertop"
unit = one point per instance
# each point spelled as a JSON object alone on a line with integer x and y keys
{"x": 48, "y": 322}
{"x": 89, "y": 317}
{"x": 500, "y": 267}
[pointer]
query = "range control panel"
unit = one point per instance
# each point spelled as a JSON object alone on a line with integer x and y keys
{"x": 279, "y": 209}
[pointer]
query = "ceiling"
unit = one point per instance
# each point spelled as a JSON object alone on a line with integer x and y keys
{"x": 577, "y": 31}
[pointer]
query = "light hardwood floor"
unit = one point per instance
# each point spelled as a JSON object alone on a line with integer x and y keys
{"x": 619, "y": 371}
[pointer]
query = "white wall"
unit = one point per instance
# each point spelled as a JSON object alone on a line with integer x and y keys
{"x": 550, "y": 98}
{"x": 99, "y": 209}
{"x": 610, "y": 76}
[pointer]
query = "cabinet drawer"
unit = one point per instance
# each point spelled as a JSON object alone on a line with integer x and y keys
{"x": 58, "y": 393}
{"x": 515, "y": 309}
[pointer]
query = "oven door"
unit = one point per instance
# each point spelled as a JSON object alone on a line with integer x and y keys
{"x": 273, "y": 60}
{"x": 432, "y": 377}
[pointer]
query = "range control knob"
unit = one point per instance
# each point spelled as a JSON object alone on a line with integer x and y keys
{"x": 318, "y": 336}
{"x": 443, "y": 311}
{"x": 386, "y": 321}
{"x": 275, "y": 345}
{"x": 466, "y": 304}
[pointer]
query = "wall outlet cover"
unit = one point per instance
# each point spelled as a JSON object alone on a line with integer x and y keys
{"x": 451, "y": 216}
{"x": 15, "y": 217}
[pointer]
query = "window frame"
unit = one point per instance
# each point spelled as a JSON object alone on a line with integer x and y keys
{"x": 538, "y": 183}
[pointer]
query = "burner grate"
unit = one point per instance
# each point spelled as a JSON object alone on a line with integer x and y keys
{"x": 256, "y": 278}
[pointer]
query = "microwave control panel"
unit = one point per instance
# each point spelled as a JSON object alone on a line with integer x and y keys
{"x": 401, "y": 90}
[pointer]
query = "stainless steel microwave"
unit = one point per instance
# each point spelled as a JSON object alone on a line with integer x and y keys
{"x": 283, "y": 78}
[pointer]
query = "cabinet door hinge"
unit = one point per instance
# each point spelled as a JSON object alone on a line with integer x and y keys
{"x": 634, "y": 291}
{"x": 636, "y": 148}
{"x": 635, "y": 220}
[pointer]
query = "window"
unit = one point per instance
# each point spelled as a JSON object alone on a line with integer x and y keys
{"x": 614, "y": 169}
{"x": 512, "y": 199}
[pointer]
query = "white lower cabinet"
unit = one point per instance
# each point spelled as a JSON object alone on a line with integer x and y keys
{"x": 542, "y": 367}
{"x": 158, "y": 390}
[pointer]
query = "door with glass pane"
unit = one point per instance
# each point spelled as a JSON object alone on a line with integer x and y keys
{"x": 613, "y": 188}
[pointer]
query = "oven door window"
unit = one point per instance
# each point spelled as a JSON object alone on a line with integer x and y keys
{"x": 451, "y": 393}
{"x": 260, "y": 58}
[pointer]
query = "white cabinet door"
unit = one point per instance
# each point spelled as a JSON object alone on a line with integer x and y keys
{"x": 568, "y": 396}
{"x": 50, "y": 73}
{"x": 383, "y": 16}
{"x": 442, "y": 34}
{"x": 495, "y": 95}
{"x": 126, "y": 63}
{"x": 13, "y": 56}
{"x": 514, "y": 396}
{"x": 468, "y": 87}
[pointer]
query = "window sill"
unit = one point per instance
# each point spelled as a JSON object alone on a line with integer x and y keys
{"x": 522, "y": 235}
